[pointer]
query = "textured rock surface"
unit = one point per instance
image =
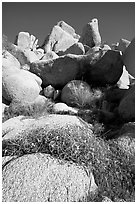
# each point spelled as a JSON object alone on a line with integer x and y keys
{"x": 15, "y": 51}
{"x": 62, "y": 107}
{"x": 60, "y": 71}
{"x": 45, "y": 124}
{"x": 68, "y": 29}
{"x": 42, "y": 178}
{"x": 90, "y": 35}
{"x": 9, "y": 61}
{"x": 21, "y": 86}
{"x": 49, "y": 91}
{"x": 76, "y": 49}
{"x": 31, "y": 56}
{"x": 58, "y": 40}
{"x": 25, "y": 41}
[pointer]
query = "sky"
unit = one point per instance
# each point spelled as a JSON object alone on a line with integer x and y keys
{"x": 116, "y": 19}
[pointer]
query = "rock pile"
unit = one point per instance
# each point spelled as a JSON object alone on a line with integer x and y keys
{"x": 68, "y": 111}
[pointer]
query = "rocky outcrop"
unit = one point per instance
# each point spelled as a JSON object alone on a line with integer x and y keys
{"x": 58, "y": 40}
{"x": 15, "y": 51}
{"x": 58, "y": 72}
{"x": 90, "y": 35}
{"x": 42, "y": 178}
{"x": 42, "y": 135}
{"x": 25, "y": 41}
{"x": 68, "y": 29}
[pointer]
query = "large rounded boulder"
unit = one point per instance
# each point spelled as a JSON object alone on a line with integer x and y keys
{"x": 42, "y": 178}
{"x": 20, "y": 85}
{"x": 78, "y": 93}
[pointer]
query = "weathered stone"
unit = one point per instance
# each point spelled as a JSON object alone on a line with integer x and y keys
{"x": 76, "y": 49}
{"x": 11, "y": 124}
{"x": 33, "y": 42}
{"x": 129, "y": 58}
{"x": 25, "y": 41}
{"x": 49, "y": 91}
{"x": 58, "y": 72}
{"x": 127, "y": 106}
{"x": 70, "y": 138}
{"x": 42, "y": 178}
{"x": 42, "y": 127}
{"x": 49, "y": 56}
{"x": 20, "y": 85}
{"x": 63, "y": 108}
{"x": 68, "y": 29}
{"x": 90, "y": 35}
{"x": 31, "y": 56}
{"x": 78, "y": 93}
{"x": 10, "y": 62}
{"x": 107, "y": 70}
{"x": 123, "y": 44}
{"x": 58, "y": 40}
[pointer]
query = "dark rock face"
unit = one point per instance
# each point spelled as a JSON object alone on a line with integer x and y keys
{"x": 58, "y": 72}
{"x": 127, "y": 106}
{"x": 106, "y": 70}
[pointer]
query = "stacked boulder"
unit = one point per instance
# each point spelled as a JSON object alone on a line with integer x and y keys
{"x": 68, "y": 116}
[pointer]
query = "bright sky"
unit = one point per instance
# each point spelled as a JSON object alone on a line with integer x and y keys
{"x": 116, "y": 20}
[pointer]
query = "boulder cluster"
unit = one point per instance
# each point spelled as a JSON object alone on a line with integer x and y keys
{"x": 68, "y": 113}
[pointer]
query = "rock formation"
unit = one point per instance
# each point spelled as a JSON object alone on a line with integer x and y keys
{"x": 68, "y": 117}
